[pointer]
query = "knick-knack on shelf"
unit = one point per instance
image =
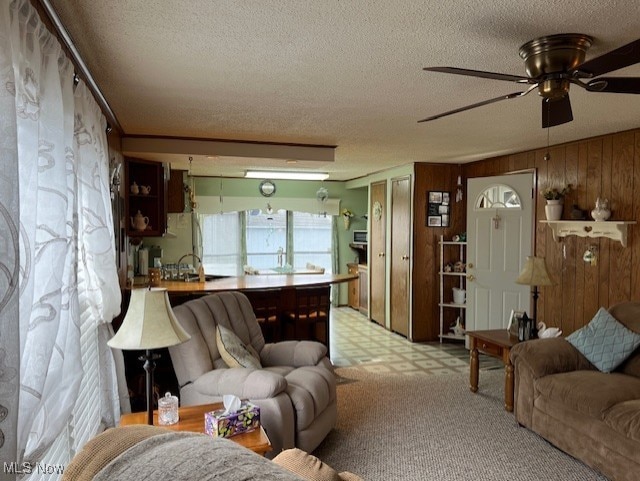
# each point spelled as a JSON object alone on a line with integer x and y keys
{"x": 601, "y": 212}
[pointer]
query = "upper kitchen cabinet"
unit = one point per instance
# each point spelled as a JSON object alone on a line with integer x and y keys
{"x": 175, "y": 192}
{"x": 146, "y": 198}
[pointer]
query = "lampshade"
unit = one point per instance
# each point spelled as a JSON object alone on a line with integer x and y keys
{"x": 534, "y": 273}
{"x": 150, "y": 323}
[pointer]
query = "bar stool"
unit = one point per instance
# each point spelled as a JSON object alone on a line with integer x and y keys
{"x": 266, "y": 306}
{"x": 310, "y": 318}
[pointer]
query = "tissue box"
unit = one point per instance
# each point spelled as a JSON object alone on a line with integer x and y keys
{"x": 218, "y": 424}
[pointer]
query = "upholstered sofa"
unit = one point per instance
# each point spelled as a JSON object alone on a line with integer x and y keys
{"x": 592, "y": 415}
{"x": 133, "y": 453}
{"x": 295, "y": 386}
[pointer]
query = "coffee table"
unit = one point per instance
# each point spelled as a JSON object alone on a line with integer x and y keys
{"x": 495, "y": 343}
{"x": 192, "y": 419}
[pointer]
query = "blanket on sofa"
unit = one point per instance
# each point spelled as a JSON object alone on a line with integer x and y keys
{"x": 140, "y": 452}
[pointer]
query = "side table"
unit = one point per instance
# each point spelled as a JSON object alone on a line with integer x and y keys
{"x": 496, "y": 343}
{"x": 192, "y": 419}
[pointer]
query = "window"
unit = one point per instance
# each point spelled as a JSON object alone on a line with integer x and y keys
{"x": 498, "y": 197}
{"x": 221, "y": 243}
{"x": 312, "y": 240}
{"x": 266, "y": 235}
{"x": 271, "y": 240}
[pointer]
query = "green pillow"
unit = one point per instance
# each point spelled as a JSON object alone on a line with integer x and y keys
{"x": 233, "y": 351}
{"x": 605, "y": 342}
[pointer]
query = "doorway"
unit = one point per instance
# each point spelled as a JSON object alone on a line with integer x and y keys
{"x": 499, "y": 239}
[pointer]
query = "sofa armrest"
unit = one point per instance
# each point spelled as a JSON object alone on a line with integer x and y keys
{"x": 242, "y": 382}
{"x": 535, "y": 359}
{"x": 292, "y": 353}
{"x": 549, "y": 356}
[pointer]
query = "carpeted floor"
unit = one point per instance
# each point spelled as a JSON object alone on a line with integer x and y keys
{"x": 433, "y": 428}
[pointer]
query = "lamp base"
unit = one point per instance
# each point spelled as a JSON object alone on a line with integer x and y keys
{"x": 149, "y": 366}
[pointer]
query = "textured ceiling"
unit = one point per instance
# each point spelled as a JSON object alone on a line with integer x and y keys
{"x": 341, "y": 72}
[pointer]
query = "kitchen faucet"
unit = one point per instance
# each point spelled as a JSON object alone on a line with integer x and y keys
{"x": 200, "y": 269}
{"x": 280, "y": 256}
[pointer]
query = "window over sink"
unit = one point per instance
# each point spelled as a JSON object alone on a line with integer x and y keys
{"x": 265, "y": 239}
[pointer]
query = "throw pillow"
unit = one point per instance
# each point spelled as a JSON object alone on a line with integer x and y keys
{"x": 233, "y": 351}
{"x": 605, "y": 342}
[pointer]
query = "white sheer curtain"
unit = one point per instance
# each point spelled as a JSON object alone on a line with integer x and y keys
{"x": 68, "y": 282}
{"x": 98, "y": 288}
{"x": 9, "y": 248}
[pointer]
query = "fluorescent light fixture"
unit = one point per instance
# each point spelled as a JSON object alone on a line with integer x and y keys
{"x": 272, "y": 174}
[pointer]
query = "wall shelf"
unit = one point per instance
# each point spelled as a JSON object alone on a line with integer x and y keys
{"x": 614, "y": 229}
{"x": 451, "y": 251}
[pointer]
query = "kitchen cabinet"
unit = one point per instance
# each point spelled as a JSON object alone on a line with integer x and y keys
{"x": 145, "y": 198}
{"x": 354, "y": 288}
{"x": 175, "y": 192}
{"x": 363, "y": 289}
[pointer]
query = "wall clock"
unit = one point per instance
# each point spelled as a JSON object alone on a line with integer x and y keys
{"x": 267, "y": 188}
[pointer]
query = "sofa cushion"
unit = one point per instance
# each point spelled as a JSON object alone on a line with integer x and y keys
{"x": 605, "y": 342}
{"x": 624, "y": 417}
{"x": 233, "y": 350}
{"x": 244, "y": 383}
{"x": 589, "y": 392}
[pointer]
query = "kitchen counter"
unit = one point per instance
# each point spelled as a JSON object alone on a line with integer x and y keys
{"x": 246, "y": 283}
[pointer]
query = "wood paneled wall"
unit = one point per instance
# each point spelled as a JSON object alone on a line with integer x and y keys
{"x": 608, "y": 167}
{"x": 426, "y": 254}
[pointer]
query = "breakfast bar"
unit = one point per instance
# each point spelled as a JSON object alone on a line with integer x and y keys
{"x": 259, "y": 282}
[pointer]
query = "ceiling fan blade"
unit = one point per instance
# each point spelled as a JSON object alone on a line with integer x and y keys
{"x": 616, "y": 59}
{"x": 620, "y": 85}
{"x": 556, "y": 112}
{"x": 481, "y": 74}
{"x": 479, "y": 104}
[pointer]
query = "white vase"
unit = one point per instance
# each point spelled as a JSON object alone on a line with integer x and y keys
{"x": 553, "y": 209}
{"x": 601, "y": 212}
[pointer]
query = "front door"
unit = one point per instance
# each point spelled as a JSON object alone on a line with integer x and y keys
{"x": 499, "y": 239}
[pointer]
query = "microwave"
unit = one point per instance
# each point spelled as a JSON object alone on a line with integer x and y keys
{"x": 360, "y": 237}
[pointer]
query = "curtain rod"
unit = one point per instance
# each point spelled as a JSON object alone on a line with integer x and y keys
{"x": 82, "y": 67}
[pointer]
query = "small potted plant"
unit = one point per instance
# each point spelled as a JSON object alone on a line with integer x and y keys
{"x": 555, "y": 198}
{"x": 346, "y": 217}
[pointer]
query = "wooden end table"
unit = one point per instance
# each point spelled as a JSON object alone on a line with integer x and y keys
{"x": 192, "y": 419}
{"x": 495, "y": 343}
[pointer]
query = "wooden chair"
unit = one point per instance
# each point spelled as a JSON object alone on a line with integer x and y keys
{"x": 309, "y": 320}
{"x": 266, "y": 306}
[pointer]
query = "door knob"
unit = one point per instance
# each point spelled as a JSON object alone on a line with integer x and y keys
{"x": 404, "y": 258}
{"x": 470, "y": 265}
{"x": 471, "y": 277}
{"x": 380, "y": 254}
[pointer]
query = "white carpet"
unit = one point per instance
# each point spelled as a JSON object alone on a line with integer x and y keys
{"x": 433, "y": 428}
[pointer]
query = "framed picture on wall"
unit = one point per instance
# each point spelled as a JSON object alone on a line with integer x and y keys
{"x": 438, "y": 209}
{"x": 434, "y": 221}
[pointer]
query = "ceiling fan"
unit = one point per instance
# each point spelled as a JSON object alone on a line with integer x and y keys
{"x": 553, "y": 63}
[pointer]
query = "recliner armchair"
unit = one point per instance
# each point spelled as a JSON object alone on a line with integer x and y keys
{"x": 295, "y": 389}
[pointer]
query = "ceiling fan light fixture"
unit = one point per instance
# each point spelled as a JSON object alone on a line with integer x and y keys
{"x": 284, "y": 175}
{"x": 552, "y": 64}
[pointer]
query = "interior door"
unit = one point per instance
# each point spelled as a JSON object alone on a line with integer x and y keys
{"x": 377, "y": 251}
{"x": 499, "y": 239}
{"x": 400, "y": 254}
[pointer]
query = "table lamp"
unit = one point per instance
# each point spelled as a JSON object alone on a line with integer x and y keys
{"x": 534, "y": 273}
{"x": 149, "y": 324}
